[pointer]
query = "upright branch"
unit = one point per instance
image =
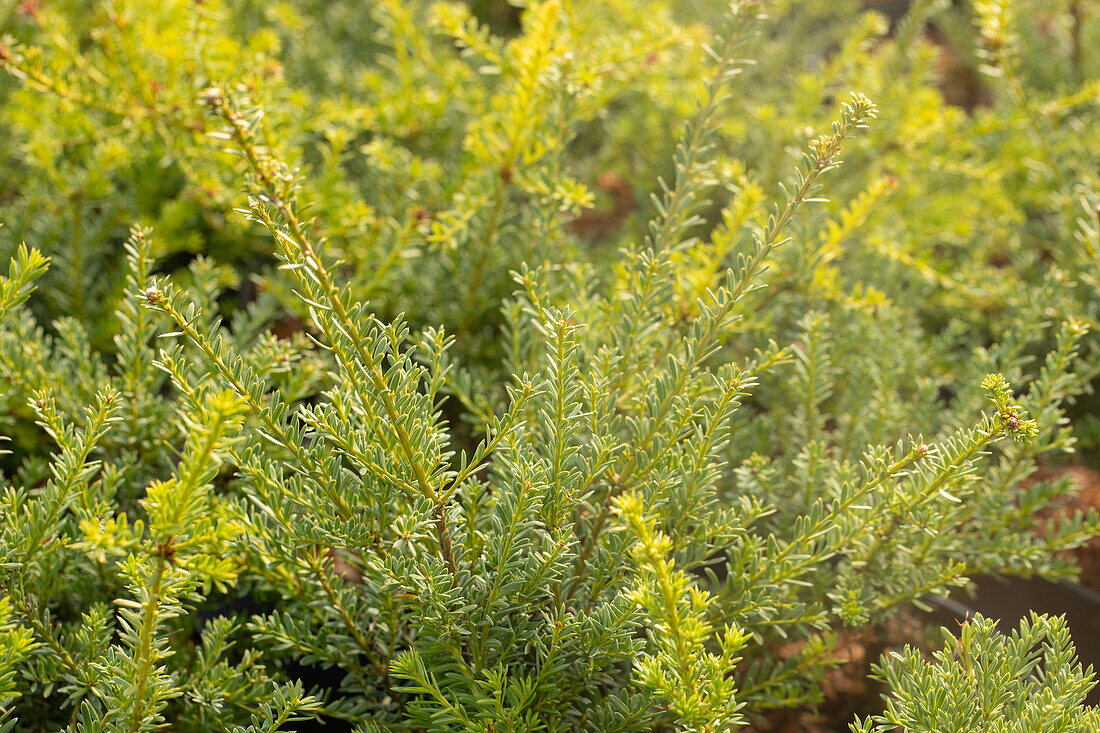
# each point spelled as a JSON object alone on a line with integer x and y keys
{"x": 275, "y": 205}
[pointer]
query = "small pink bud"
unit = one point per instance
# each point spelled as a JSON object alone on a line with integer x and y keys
{"x": 213, "y": 97}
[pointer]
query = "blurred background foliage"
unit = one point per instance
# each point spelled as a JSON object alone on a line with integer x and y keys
{"x": 439, "y": 149}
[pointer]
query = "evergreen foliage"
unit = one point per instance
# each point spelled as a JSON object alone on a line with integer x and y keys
{"x": 440, "y": 404}
{"x": 982, "y": 680}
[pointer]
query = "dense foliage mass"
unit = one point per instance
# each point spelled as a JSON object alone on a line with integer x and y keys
{"x": 443, "y": 403}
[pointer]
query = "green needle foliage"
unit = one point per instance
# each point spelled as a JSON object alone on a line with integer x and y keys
{"x": 443, "y": 409}
{"x": 982, "y": 680}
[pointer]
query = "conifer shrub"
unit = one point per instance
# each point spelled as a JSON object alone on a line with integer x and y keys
{"x": 982, "y": 680}
{"x": 443, "y": 404}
